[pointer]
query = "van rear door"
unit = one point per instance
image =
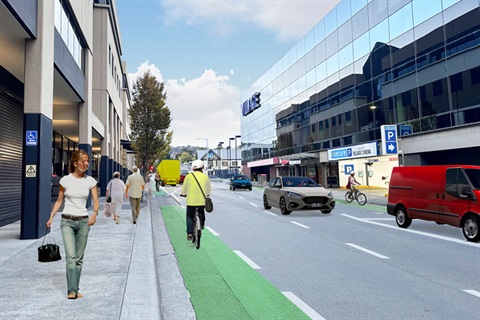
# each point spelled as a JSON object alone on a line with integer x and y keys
{"x": 454, "y": 205}
{"x": 427, "y": 186}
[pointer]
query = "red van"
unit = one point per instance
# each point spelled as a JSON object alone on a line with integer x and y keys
{"x": 447, "y": 194}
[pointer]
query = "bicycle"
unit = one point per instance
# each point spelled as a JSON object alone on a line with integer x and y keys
{"x": 197, "y": 229}
{"x": 357, "y": 195}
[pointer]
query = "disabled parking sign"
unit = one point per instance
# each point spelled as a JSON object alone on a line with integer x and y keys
{"x": 31, "y": 138}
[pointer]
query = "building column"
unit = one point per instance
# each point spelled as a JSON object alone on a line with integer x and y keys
{"x": 37, "y": 136}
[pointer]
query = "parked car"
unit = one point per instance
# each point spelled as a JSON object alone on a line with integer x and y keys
{"x": 297, "y": 193}
{"x": 240, "y": 181}
{"x": 446, "y": 194}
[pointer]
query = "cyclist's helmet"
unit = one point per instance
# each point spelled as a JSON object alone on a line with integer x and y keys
{"x": 197, "y": 164}
{"x": 353, "y": 172}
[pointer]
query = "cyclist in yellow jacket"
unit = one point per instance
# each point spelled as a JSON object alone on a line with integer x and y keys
{"x": 195, "y": 197}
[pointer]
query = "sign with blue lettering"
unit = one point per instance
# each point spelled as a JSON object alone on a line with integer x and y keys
{"x": 405, "y": 129}
{"x": 251, "y": 104}
{"x": 349, "y": 168}
{"x": 357, "y": 151}
{"x": 31, "y": 138}
{"x": 389, "y": 139}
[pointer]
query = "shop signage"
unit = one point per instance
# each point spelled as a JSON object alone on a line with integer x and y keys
{"x": 293, "y": 162}
{"x": 359, "y": 151}
{"x": 251, "y": 104}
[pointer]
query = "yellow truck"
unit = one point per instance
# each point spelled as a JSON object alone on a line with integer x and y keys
{"x": 169, "y": 171}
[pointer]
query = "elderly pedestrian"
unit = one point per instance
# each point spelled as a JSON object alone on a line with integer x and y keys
{"x": 116, "y": 190}
{"x": 134, "y": 190}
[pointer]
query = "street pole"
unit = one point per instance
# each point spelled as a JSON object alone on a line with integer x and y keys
{"x": 236, "y": 155}
{"x": 219, "y": 163}
{"x": 230, "y": 163}
{"x": 373, "y": 108}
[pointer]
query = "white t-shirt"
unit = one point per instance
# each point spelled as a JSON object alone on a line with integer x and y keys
{"x": 135, "y": 183}
{"x": 77, "y": 191}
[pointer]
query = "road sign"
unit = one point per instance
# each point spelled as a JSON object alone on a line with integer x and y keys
{"x": 349, "y": 168}
{"x": 31, "y": 170}
{"x": 389, "y": 139}
{"x": 31, "y": 137}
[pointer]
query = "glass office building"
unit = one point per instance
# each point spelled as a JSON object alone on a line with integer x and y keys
{"x": 370, "y": 66}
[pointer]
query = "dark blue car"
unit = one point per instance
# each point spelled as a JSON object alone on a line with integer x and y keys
{"x": 240, "y": 181}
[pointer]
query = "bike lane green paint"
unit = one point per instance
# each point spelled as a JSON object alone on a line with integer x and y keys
{"x": 221, "y": 284}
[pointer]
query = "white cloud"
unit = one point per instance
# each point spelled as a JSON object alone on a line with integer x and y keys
{"x": 288, "y": 20}
{"x": 205, "y": 107}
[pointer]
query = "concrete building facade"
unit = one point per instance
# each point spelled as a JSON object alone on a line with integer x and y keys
{"x": 63, "y": 87}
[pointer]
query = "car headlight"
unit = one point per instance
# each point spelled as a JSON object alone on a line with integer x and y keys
{"x": 293, "y": 194}
{"x": 330, "y": 194}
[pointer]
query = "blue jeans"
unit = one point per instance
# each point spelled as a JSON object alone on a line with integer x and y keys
{"x": 75, "y": 236}
{"x": 191, "y": 216}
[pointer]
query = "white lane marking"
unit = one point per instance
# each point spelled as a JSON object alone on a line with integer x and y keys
{"x": 213, "y": 231}
{"x": 246, "y": 259}
{"x": 380, "y": 219}
{"x": 464, "y": 242}
{"x": 240, "y": 197}
{"x": 300, "y": 225}
{"x": 253, "y": 204}
{"x": 176, "y": 198}
{"x": 367, "y": 251}
{"x": 302, "y": 306}
{"x": 473, "y": 292}
{"x": 270, "y": 213}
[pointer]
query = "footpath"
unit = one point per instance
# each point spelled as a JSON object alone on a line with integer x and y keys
{"x": 141, "y": 271}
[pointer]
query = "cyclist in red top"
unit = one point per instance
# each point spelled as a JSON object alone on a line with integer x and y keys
{"x": 352, "y": 182}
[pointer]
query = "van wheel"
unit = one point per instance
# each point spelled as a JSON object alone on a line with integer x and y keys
{"x": 470, "y": 226}
{"x": 401, "y": 217}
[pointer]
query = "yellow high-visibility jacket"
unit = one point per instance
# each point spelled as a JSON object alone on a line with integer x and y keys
{"x": 191, "y": 189}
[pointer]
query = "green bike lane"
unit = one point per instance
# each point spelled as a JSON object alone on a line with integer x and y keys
{"x": 221, "y": 284}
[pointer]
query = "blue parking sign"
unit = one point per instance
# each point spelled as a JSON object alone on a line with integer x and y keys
{"x": 349, "y": 168}
{"x": 31, "y": 137}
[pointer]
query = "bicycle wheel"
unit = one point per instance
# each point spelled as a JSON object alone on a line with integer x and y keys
{"x": 361, "y": 198}
{"x": 198, "y": 232}
{"x": 348, "y": 197}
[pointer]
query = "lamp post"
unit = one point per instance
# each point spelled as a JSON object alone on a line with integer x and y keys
{"x": 206, "y": 140}
{"x": 219, "y": 166}
{"x": 236, "y": 155}
{"x": 373, "y": 108}
{"x": 230, "y": 162}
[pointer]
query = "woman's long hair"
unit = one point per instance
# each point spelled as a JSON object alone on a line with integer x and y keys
{"x": 76, "y": 156}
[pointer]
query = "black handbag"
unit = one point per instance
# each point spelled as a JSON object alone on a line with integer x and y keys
{"x": 49, "y": 252}
{"x": 208, "y": 200}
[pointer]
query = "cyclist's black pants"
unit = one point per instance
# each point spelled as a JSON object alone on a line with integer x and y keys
{"x": 191, "y": 216}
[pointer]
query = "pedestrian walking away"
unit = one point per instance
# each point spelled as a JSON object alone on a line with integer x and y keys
{"x": 75, "y": 225}
{"x": 116, "y": 190}
{"x": 195, "y": 198}
{"x": 134, "y": 190}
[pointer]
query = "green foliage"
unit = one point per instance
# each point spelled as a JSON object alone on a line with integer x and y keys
{"x": 149, "y": 120}
{"x": 186, "y": 157}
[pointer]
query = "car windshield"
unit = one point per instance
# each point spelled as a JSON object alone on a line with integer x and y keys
{"x": 298, "y": 182}
{"x": 240, "y": 178}
{"x": 474, "y": 176}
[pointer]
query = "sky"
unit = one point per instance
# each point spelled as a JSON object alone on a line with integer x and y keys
{"x": 208, "y": 54}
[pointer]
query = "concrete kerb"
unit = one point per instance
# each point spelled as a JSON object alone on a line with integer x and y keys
{"x": 174, "y": 297}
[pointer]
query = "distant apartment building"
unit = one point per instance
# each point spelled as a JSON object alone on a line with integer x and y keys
{"x": 63, "y": 87}
{"x": 375, "y": 84}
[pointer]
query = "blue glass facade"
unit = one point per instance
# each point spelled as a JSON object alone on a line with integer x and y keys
{"x": 368, "y": 64}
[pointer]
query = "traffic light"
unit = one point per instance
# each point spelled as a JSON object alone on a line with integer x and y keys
{"x": 151, "y": 168}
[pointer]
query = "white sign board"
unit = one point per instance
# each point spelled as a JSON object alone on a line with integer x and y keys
{"x": 358, "y": 151}
{"x": 30, "y": 170}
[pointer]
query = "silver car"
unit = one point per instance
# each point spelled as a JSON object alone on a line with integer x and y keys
{"x": 297, "y": 193}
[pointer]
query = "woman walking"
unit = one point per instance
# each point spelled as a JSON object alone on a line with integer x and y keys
{"x": 75, "y": 224}
{"x": 116, "y": 191}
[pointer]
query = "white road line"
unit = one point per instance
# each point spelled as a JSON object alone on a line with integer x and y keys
{"x": 302, "y": 306}
{"x": 270, "y": 213}
{"x": 473, "y": 292}
{"x": 367, "y": 251}
{"x": 464, "y": 242}
{"x": 380, "y": 219}
{"x": 240, "y": 197}
{"x": 253, "y": 204}
{"x": 213, "y": 231}
{"x": 176, "y": 198}
{"x": 246, "y": 259}
{"x": 300, "y": 225}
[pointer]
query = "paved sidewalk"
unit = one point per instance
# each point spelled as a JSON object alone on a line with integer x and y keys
{"x": 130, "y": 272}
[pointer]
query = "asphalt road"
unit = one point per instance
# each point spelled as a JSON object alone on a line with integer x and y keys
{"x": 354, "y": 263}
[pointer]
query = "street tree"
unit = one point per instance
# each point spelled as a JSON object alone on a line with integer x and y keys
{"x": 186, "y": 157}
{"x": 149, "y": 120}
